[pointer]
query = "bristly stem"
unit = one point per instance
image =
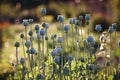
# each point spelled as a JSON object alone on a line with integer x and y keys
{"x": 32, "y": 65}
{"x": 46, "y": 35}
{"x": 39, "y": 54}
{"x": 81, "y": 30}
{"x": 26, "y": 33}
{"x": 110, "y": 45}
{"x": 30, "y": 62}
{"x": 23, "y": 49}
{"x": 72, "y": 38}
{"x": 31, "y": 41}
{"x": 17, "y": 55}
{"x": 115, "y": 41}
{"x": 31, "y": 27}
{"x": 88, "y": 30}
{"x": 110, "y": 55}
{"x": 53, "y": 44}
{"x": 60, "y": 28}
{"x": 66, "y": 39}
{"x": 42, "y": 46}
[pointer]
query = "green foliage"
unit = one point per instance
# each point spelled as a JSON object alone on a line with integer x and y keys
{"x": 5, "y": 70}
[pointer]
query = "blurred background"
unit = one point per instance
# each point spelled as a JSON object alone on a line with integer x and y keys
{"x": 12, "y": 12}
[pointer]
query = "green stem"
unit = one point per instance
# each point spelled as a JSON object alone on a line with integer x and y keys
{"x": 29, "y": 61}
{"x": 53, "y": 44}
{"x": 88, "y": 30}
{"x": 43, "y": 55}
{"x": 39, "y": 50}
{"x": 60, "y": 28}
{"x": 110, "y": 54}
{"x": 23, "y": 49}
{"x": 42, "y": 46}
{"x": 72, "y": 38}
{"x": 17, "y": 55}
{"x": 32, "y": 65}
{"x": 110, "y": 45}
{"x": 47, "y": 46}
{"x": 81, "y": 30}
{"x": 31, "y": 41}
{"x": 43, "y": 18}
{"x": 66, "y": 39}
{"x": 115, "y": 41}
{"x": 26, "y": 33}
{"x": 31, "y": 27}
{"x": 70, "y": 72}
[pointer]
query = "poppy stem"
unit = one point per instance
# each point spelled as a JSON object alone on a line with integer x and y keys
{"x": 17, "y": 55}
{"x": 26, "y": 33}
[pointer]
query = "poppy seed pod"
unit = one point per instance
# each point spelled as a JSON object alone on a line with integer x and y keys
{"x": 27, "y": 44}
{"x": 39, "y": 77}
{"x": 74, "y": 19}
{"x": 98, "y": 28}
{"x": 46, "y": 38}
{"x": 22, "y": 36}
{"x": 60, "y": 40}
{"x": 90, "y": 39}
{"x": 30, "y": 21}
{"x": 71, "y": 21}
{"x": 45, "y": 25}
{"x": 114, "y": 25}
{"x": 22, "y": 60}
{"x": 90, "y": 67}
{"x": 53, "y": 36}
{"x": 42, "y": 32}
{"x": 82, "y": 59}
{"x": 108, "y": 63}
{"x": 59, "y": 49}
{"x": 80, "y": 18}
{"x": 77, "y": 22}
{"x": 43, "y": 65}
{"x": 66, "y": 28}
{"x": 110, "y": 30}
{"x": 57, "y": 60}
{"x": 87, "y": 17}
{"x": 66, "y": 71}
{"x": 54, "y": 52}
{"x": 25, "y": 22}
{"x": 60, "y": 18}
{"x": 32, "y": 51}
{"x": 30, "y": 33}
{"x": 70, "y": 58}
{"x": 36, "y": 27}
{"x": 17, "y": 44}
{"x": 43, "y": 11}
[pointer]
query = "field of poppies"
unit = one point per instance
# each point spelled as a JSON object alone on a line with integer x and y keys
{"x": 66, "y": 51}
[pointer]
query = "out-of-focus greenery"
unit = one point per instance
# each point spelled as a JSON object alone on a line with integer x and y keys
{"x": 115, "y": 7}
{"x": 8, "y": 10}
{"x": 99, "y": 19}
{"x": 5, "y": 70}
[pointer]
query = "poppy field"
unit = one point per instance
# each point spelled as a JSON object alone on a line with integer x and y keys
{"x": 72, "y": 52}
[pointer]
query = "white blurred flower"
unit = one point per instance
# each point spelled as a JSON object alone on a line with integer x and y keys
{"x": 107, "y": 56}
{"x": 104, "y": 38}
